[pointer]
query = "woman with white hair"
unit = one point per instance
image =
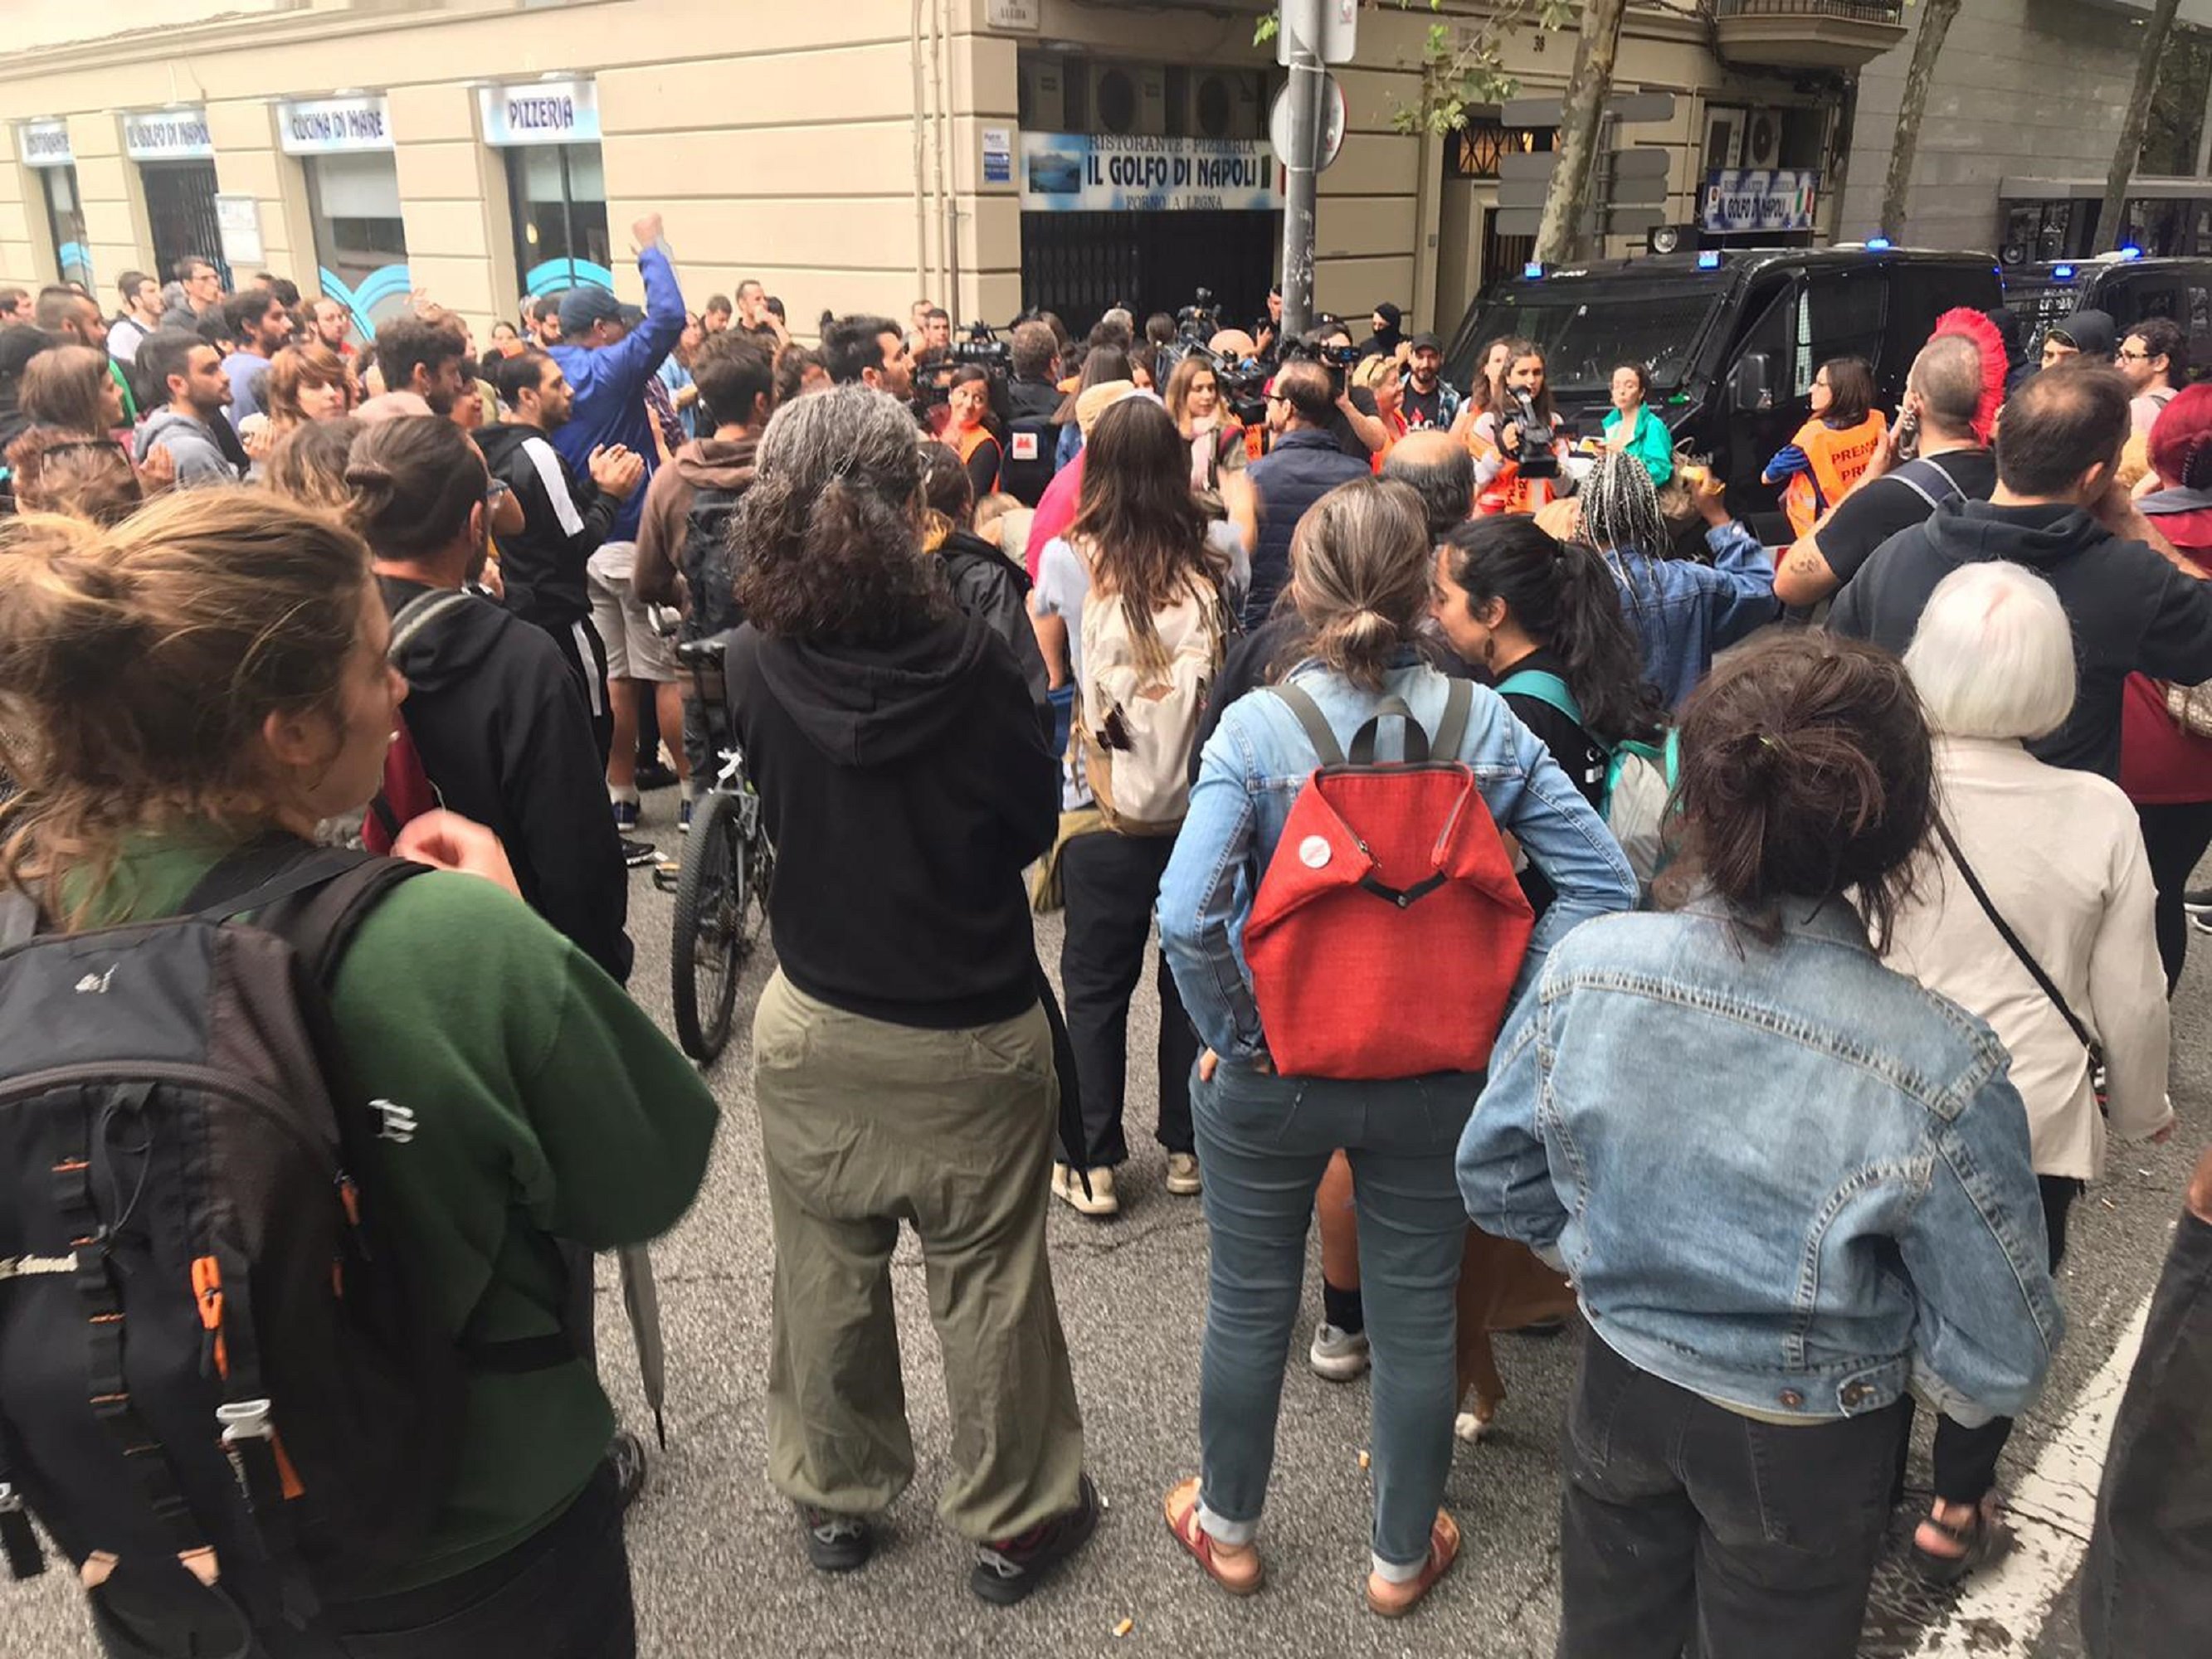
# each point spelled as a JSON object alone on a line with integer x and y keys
{"x": 2048, "y": 937}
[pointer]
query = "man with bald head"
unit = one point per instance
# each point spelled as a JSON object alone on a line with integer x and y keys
{"x": 1942, "y": 394}
{"x": 1441, "y": 470}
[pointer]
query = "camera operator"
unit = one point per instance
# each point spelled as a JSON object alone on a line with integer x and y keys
{"x": 1267, "y": 332}
{"x": 1033, "y": 399}
{"x": 1519, "y": 446}
{"x": 1359, "y": 431}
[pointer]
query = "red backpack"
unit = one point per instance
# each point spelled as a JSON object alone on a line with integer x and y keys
{"x": 1388, "y": 928}
{"x": 407, "y": 791}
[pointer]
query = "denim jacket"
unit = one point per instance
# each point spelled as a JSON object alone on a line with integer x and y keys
{"x": 1683, "y": 611}
{"x": 1251, "y": 771}
{"x": 1782, "y": 1177}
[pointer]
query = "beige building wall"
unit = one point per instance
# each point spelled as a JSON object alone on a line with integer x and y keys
{"x": 826, "y": 149}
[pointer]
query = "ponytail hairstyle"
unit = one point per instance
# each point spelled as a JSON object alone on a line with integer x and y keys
{"x": 829, "y": 533}
{"x": 1807, "y": 773}
{"x": 413, "y": 480}
{"x": 138, "y": 664}
{"x": 1564, "y": 598}
{"x": 1360, "y": 585}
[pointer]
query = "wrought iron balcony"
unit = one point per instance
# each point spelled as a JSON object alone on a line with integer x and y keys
{"x": 1809, "y": 33}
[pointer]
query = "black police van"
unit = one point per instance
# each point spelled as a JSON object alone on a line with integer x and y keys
{"x": 2124, "y": 286}
{"x": 1730, "y": 340}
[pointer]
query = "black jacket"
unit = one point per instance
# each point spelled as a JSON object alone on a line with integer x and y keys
{"x": 565, "y": 518}
{"x": 499, "y": 723}
{"x": 1032, "y": 448}
{"x": 1304, "y": 466}
{"x": 2132, "y": 611}
{"x": 905, "y": 787}
{"x": 991, "y": 587}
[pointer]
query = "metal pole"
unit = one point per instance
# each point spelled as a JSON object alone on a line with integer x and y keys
{"x": 1302, "y": 27}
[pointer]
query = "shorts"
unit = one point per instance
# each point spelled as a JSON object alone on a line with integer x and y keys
{"x": 636, "y": 650}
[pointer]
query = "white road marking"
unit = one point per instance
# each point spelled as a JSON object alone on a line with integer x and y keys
{"x": 2004, "y": 1606}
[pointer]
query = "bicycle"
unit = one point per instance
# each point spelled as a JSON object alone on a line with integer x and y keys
{"x": 722, "y": 883}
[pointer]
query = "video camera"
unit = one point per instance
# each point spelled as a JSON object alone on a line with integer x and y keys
{"x": 978, "y": 345}
{"x": 1200, "y": 321}
{"x": 1338, "y": 359}
{"x": 1531, "y": 451}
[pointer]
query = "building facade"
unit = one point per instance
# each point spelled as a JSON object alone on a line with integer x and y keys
{"x": 988, "y": 154}
{"x": 2024, "y": 110}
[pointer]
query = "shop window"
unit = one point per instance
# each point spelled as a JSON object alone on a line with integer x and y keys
{"x": 560, "y": 197}
{"x": 66, "y": 220}
{"x": 361, "y": 243}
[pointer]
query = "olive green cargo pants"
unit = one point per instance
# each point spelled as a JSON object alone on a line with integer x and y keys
{"x": 864, "y": 1124}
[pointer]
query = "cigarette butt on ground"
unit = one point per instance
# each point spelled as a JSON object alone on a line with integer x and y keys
{"x": 1124, "y": 1627}
{"x": 1364, "y": 1460}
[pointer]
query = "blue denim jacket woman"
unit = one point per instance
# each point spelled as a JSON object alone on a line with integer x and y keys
{"x": 1682, "y": 611}
{"x": 1360, "y": 580}
{"x": 1789, "y": 1183}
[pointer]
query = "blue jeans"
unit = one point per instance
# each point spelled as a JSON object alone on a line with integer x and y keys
{"x": 1263, "y": 1142}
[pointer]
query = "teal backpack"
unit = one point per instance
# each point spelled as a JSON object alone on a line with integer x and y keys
{"x": 1639, "y": 777}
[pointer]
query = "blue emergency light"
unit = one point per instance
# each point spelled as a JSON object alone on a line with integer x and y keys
{"x": 1878, "y": 244}
{"x": 1709, "y": 261}
{"x": 2130, "y": 252}
{"x": 1532, "y": 270}
{"x": 2062, "y": 273}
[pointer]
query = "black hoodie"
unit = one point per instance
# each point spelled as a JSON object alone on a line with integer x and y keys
{"x": 988, "y": 585}
{"x": 501, "y": 725}
{"x": 2131, "y": 610}
{"x": 905, "y": 786}
{"x": 564, "y": 520}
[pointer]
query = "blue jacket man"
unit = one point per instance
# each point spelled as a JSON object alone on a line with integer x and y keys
{"x": 1304, "y": 466}
{"x": 608, "y": 361}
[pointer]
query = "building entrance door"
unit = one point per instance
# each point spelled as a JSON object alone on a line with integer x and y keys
{"x": 1078, "y": 266}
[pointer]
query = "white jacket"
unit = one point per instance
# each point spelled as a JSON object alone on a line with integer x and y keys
{"x": 2061, "y": 856}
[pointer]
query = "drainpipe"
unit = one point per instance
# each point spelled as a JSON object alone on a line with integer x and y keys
{"x": 941, "y": 27}
{"x": 920, "y": 206}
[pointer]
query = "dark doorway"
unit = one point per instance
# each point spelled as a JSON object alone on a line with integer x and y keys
{"x": 1503, "y": 256}
{"x": 180, "y": 211}
{"x": 1080, "y": 264}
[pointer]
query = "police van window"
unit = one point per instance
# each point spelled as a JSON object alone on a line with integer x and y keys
{"x": 2199, "y": 312}
{"x": 1838, "y": 315}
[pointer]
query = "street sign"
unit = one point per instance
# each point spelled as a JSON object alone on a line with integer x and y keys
{"x": 1634, "y": 192}
{"x": 1519, "y": 222}
{"x": 1633, "y": 220}
{"x": 1530, "y": 164}
{"x": 1340, "y": 25}
{"x": 1645, "y": 161}
{"x": 1335, "y": 115}
{"x": 1624, "y": 107}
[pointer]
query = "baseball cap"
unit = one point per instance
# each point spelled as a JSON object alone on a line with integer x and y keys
{"x": 582, "y": 307}
{"x": 1427, "y": 342}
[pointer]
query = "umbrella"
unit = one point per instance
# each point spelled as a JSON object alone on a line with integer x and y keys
{"x": 641, "y": 1300}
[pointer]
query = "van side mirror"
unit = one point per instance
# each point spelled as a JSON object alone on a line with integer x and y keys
{"x": 1751, "y": 383}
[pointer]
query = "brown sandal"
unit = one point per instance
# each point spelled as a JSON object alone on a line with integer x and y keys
{"x": 1236, "y": 1569}
{"x": 1395, "y": 1601}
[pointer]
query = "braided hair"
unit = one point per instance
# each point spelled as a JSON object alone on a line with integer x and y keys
{"x": 1621, "y": 519}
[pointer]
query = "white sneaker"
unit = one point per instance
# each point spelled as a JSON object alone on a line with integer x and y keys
{"x": 1099, "y": 1200}
{"x": 1183, "y": 1178}
{"x": 1340, "y": 1356}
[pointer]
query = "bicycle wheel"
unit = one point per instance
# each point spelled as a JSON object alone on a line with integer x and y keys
{"x": 707, "y": 948}
{"x": 760, "y": 876}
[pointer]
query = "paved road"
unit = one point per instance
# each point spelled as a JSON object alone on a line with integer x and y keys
{"x": 716, "y": 1557}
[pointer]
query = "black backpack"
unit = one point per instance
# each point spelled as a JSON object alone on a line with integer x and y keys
{"x": 209, "y": 1352}
{"x": 709, "y": 564}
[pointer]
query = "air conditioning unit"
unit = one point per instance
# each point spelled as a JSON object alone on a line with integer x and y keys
{"x": 1762, "y": 139}
{"x": 1129, "y": 100}
{"x": 1225, "y": 104}
{"x": 1043, "y": 95}
{"x": 1723, "y": 136}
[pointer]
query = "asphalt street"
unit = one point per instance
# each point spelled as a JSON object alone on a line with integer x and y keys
{"x": 715, "y": 1555}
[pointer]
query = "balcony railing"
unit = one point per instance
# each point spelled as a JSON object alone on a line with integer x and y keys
{"x": 1856, "y": 11}
{"x": 1809, "y": 33}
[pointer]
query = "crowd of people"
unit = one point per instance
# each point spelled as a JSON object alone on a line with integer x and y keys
{"x": 1392, "y": 687}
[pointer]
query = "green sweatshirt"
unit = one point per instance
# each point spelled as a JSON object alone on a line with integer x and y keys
{"x": 546, "y": 1104}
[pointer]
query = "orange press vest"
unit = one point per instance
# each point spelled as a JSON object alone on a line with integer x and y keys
{"x": 1837, "y": 456}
